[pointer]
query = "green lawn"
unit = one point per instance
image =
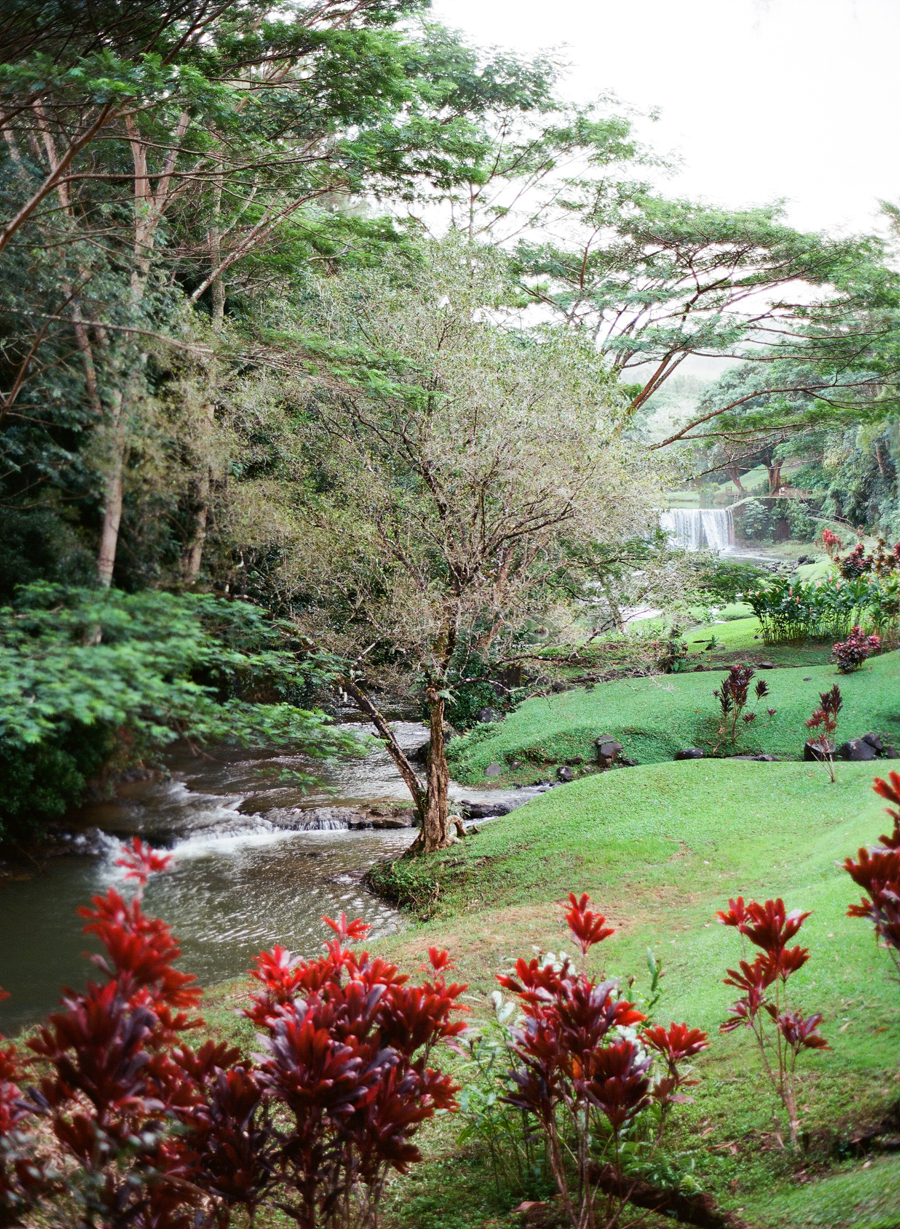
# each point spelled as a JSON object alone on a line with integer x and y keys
{"x": 656, "y": 717}
{"x": 660, "y": 848}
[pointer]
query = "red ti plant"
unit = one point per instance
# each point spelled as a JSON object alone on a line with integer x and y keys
{"x": 781, "y": 1033}
{"x": 825, "y": 720}
{"x": 585, "y": 1074}
{"x": 24, "y": 1175}
{"x": 157, "y": 1135}
{"x": 877, "y": 872}
{"x": 348, "y": 1045}
{"x": 856, "y": 649}
{"x": 733, "y": 694}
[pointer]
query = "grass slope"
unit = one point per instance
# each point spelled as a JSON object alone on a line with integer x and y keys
{"x": 660, "y": 848}
{"x": 656, "y": 717}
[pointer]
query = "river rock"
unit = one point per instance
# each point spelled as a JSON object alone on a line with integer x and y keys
{"x": 891, "y": 753}
{"x": 486, "y": 715}
{"x": 765, "y": 665}
{"x": 690, "y": 753}
{"x": 565, "y": 773}
{"x": 487, "y": 810}
{"x": 856, "y": 749}
{"x": 493, "y": 770}
{"x": 874, "y": 741}
{"x": 812, "y": 752}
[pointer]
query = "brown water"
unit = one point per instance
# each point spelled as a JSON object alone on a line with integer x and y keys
{"x": 241, "y": 882}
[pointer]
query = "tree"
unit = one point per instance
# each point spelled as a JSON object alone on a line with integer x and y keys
{"x": 463, "y": 463}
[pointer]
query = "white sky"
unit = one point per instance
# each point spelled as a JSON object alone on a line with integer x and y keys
{"x": 759, "y": 98}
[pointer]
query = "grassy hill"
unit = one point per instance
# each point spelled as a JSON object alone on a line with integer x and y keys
{"x": 656, "y": 717}
{"x": 661, "y": 848}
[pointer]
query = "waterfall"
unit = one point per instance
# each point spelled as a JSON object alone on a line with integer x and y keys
{"x": 695, "y": 528}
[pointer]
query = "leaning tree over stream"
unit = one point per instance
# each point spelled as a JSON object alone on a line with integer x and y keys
{"x": 463, "y": 466}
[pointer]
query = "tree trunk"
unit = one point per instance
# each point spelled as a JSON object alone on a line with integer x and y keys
{"x": 193, "y": 555}
{"x": 435, "y": 830}
{"x": 735, "y": 477}
{"x": 406, "y": 770}
{"x": 113, "y": 493}
{"x": 774, "y": 472}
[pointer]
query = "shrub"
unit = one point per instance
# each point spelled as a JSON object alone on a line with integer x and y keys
{"x": 781, "y": 1033}
{"x": 856, "y": 649}
{"x": 726, "y": 580}
{"x": 583, "y": 1075}
{"x": 156, "y": 1135}
{"x": 880, "y": 562}
{"x": 877, "y": 872}
{"x": 831, "y": 542}
{"x": 790, "y": 610}
{"x": 86, "y": 674}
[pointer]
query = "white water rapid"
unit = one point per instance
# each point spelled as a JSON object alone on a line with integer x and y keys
{"x": 696, "y": 528}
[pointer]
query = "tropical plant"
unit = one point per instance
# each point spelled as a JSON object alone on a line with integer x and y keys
{"x": 791, "y": 610}
{"x": 155, "y": 1134}
{"x": 877, "y": 872}
{"x": 583, "y": 1073}
{"x": 851, "y": 653}
{"x": 825, "y": 720}
{"x": 781, "y": 1032}
{"x": 831, "y": 542}
{"x": 733, "y": 694}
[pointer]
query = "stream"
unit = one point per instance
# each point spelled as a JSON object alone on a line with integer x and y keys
{"x": 248, "y": 870}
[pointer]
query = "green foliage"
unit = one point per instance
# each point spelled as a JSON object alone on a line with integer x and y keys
{"x": 754, "y": 521}
{"x": 726, "y": 580}
{"x": 790, "y": 610}
{"x": 84, "y": 672}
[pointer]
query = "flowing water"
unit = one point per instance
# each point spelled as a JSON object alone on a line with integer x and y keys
{"x": 694, "y": 528}
{"x": 249, "y": 873}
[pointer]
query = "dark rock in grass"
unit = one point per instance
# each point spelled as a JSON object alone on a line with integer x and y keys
{"x": 608, "y": 750}
{"x": 486, "y": 715}
{"x": 560, "y": 687}
{"x": 874, "y": 740}
{"x": 812, "y": 752}
{"x": 575, "y": 761}
{"x": 891, "y": 753}
{"x": 493, "y": 770}
{"x": 856, "y": 749}
{"x": 696, "y": 668}
{"x": 628, "y": 763}
{"x": 565, "y": 773}
{"x": 515, "y": 764}
{"x": 690, "y": 753}
{"x": 765, "y": 665}
{"x": 765, "y": 759}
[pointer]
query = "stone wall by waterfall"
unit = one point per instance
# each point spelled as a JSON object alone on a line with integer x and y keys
{"x": 699, "y": 528}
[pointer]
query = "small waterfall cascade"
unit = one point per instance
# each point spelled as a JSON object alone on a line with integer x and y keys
{"x": 696, "y": 528}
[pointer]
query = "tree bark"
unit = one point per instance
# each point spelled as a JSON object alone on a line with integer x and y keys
{"x": 193, "y": 555}
{"x": 113, "y": 492}
{"x": 774, "y": 471}
{"x": 406, "y": 770}
{"x": 435, "y": 829}
{"x": 735, "y": 477}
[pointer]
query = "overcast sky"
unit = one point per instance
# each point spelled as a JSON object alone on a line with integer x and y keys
{"x": 760, "y": 98}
